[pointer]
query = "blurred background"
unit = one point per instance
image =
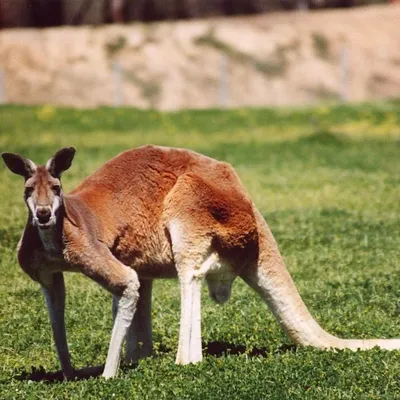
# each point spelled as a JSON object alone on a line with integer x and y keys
{"x": 175, "y": 54}
{"x": 42, "y": 13}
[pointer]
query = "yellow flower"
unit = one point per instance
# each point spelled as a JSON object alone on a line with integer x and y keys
{"x": 322, "y": 110}
{"x": 46, "y": 113}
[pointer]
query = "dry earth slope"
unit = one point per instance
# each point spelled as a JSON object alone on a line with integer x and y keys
{"x": 271, "y": 59}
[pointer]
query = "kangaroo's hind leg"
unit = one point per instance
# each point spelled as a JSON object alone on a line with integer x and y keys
{"x": 193, "y": 259}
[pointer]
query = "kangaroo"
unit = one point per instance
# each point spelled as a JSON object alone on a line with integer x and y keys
{"x": 156, "y": 212}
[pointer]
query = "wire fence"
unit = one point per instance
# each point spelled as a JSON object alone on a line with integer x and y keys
{"x": 120, "y": 79}
{"x": 225, "y": 84}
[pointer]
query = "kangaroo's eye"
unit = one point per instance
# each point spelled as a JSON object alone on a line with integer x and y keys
{"x": 56, "y": 189}
{"x": 28, "y": 192}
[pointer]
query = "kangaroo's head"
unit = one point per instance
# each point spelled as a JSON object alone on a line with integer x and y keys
{"x": 43, "y": 193}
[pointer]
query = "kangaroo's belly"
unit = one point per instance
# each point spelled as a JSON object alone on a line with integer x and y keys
{"x": 150, "y": 256}
{"x": 156, "y": 271}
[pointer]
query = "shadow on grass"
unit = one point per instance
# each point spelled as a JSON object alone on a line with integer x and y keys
{"x": 216, "y": 349}
{"x": 41, "y": 375}
{"x": 220, "y": 349}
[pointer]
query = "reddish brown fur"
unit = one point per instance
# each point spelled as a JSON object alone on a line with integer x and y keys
{"x": 129, "y": 215}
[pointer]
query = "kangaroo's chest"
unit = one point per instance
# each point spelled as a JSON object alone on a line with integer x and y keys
{"x": 50, "y": 257}
{"x": 51, "y": 244}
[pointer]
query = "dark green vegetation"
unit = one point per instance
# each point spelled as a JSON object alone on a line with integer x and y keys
{"x": 321, "y": 46}
{"x": 276, "y": 65}
{"x": 327, "y": 181}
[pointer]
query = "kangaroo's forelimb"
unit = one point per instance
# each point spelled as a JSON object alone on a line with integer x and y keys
{"x": 139, "y": 338}
{"x": 54, "y": 294}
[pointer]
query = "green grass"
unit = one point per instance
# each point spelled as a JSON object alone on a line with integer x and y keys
{"x": 327, "y": 181}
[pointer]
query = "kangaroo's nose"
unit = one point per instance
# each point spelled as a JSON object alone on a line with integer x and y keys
{"x": 43, "y": 215}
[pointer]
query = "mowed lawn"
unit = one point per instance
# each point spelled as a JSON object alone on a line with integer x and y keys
{"x": 327, "y": 180}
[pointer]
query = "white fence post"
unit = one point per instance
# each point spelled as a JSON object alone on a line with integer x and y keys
{"x": 344, "y": 73}
{"x": 223, "y": 81}
{"x": 117, "y": 73}
{"x": 2, "y": 87}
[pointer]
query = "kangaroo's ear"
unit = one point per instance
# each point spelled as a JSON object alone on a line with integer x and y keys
{"x": 61, "y": 161}
{"x": 19, "y": 165}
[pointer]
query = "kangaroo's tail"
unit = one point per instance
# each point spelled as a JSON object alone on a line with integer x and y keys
{"x": 270, "y": 278}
